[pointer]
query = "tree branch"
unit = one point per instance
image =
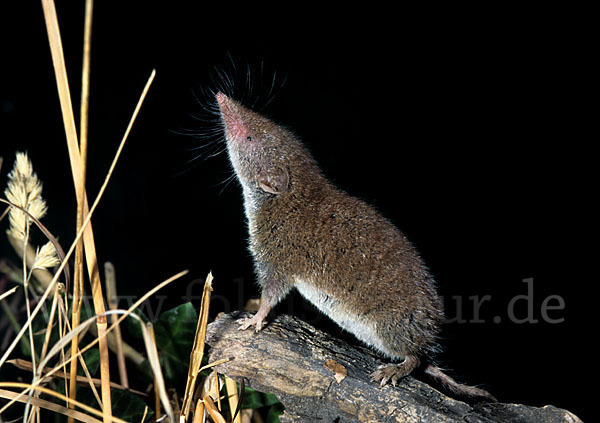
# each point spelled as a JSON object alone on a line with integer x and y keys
{"x": 323, "y": 379}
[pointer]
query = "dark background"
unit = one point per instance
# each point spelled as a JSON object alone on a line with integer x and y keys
{"x": 465, "y": 127}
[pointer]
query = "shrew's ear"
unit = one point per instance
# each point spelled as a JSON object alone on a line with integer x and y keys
{"x": 275, "y": 181}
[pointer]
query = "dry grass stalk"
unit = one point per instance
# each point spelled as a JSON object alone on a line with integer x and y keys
{"x": 214, "y": 363}
{"x": 144, "y": 415}
{"x": 62, "y": 331}
{"x": 26, "y": 365}
{"x": 75, "y": 314}
{"x": 110, "y": 280}
{"x": 85, "y": 229}
{"x": 156, "y": 382}
{"x": 54, "y": 36}
{"x": 78, "y": 415}
{"x": 152, "y": 355}
{"x": 7, "y": 293}
{"x": 150, "y": 348}
{"x": 248, "y": 415}
{"x": 211, "y": 386}
{"x": 217, "y": 386}
{"x": 197, "y": 350}
{"x": 233, "y": 398}
{"x": 27, "y": 324}
{"x": 10, "y": 322}
{"x": 76, "y": 168}
{"x": 85, "y": 82}
{"x": 24, "y": 194}
{"x": 29, "y": 321}
{"x": 15, "y": 397}
{"x": 70, "y": 252}
{"x": 199, "y": 412}
{"x": 129, "y": 352}
{"x": 104, "y": 368}
{"x": 215, "y": 415}
{"x": 130, "y": 310}
{"x": 159, "y": 383}
{"x": 24, "y": 189}
{"x": 50, "y": 324}
{"x": 62, "y": 312}
{"x": 27, "y": 303}
{"x": 83, "y": 124}
{"x": 49, "y": 328}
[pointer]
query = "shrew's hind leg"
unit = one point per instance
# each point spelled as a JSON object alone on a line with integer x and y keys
{"x": 394, "y": 372}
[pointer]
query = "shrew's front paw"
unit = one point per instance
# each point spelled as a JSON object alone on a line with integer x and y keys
{"x": 257, "y": 321}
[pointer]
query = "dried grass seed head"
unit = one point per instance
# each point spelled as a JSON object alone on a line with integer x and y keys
{"x": 45, "y": 257}
{"x": 25, "y": 190}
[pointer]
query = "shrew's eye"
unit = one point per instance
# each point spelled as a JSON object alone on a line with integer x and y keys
{"x": 249, "y": 138}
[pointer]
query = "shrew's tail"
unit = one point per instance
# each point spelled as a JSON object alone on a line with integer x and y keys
{"x": 456, "y": 388}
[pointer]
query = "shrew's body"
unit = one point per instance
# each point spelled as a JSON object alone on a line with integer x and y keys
{"x": 336, "y": 250}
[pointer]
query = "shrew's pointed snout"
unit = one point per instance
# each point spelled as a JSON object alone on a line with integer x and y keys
{"x": 233, "y": 118}
{"x": 227, "y": 106}
{"x": 222, "y": 99}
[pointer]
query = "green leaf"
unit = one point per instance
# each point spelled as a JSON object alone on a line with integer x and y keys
{"x": 144, "y": 372}
{"x": 125, "y": 405}
{"x": 252, "y": 398}
{"x": 256, "y": 399}
{"x": 271, "y": 399}
{"x": 274, "y": 412}
{"x": 128, "y": 407}
{"x": 133, "y": 325}
{"x": 174, "y": 332}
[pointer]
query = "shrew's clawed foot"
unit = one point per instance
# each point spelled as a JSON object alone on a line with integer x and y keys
{"x": 394, "y": 372}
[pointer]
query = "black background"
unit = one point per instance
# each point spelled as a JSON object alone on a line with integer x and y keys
{"x": 464, "y": 127}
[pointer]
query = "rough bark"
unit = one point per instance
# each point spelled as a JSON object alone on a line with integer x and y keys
{"x": 319, "y": 378}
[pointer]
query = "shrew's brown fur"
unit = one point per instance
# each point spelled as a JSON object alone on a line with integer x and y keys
{"x": 339, "y": 252}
